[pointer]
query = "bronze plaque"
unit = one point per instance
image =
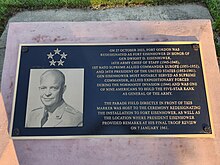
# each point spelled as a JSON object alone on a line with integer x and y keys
{"x": 124, "y": 89}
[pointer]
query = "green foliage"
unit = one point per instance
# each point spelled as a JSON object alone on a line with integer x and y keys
{"x": 114, "y": 3}
{"x": 214, "y": 8}
{"x": 36, "y": 4}
{"x": 86, "y": 3}
{"x": 3, "y": 11}
{"x": 162, "y": 2}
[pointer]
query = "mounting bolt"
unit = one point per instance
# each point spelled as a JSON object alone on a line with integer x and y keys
{"x": 16, "y": 131}
{"x": 24, "y": 49}
{"x": 195, "y": 47}
{"x": 207, "y": 129}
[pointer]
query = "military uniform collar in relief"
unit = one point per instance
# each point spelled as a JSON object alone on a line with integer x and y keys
{"x": 58, "y": 112}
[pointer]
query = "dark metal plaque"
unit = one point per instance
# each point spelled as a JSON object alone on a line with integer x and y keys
{"x": 94, "y": 90}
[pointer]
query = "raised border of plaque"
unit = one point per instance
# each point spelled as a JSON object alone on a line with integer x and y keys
{"x": 111, "y": 90}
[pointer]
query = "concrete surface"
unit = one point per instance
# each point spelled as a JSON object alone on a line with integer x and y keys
{"x": 7, "y": 151}
{"x": 108, "y": 151}
{"x": 172, "y": 12}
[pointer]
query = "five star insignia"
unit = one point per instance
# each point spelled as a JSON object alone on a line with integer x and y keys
{"x": 61, "y": 56}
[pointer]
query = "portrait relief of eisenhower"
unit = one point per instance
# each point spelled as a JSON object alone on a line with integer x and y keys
{"x": 55, "y": 111}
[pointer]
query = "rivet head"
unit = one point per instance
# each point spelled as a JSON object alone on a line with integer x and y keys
{"x": 16, "y": 131}
{"x": 195, "y": 47}
{"x": 207, "y": 129}
{"x": 24, "y": 49}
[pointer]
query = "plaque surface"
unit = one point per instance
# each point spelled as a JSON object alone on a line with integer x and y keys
{"x": 126, "y": 89}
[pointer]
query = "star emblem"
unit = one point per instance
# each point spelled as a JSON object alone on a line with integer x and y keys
{"x": 60, "y": 62}
{"x": 52, "y": 63}
{"x": 56, "y": 57}
{"x": 50, "y": 55}
{"x": 57, "y": 51}
{"x": 63, "y": 55}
